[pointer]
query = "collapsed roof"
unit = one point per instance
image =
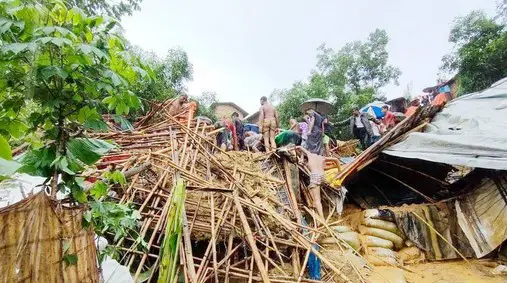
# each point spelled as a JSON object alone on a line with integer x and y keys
{"x": 469, "y": 131}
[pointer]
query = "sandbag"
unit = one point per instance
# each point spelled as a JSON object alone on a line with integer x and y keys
{"x": 382, "y": 214}
{"x": 411, "y": 254}
{"x": 341, "y": 228}
{"x": 384, "y": 234}
{"x": 382, "y": 252}
{"x": 351, "y": 238}
{"x": 381, "y": 224}
{"x": 382, "y": 261}
{"x": 372, "y": 241}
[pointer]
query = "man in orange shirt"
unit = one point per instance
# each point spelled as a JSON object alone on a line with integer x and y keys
{"x": 389, "y": 118}
{"x": 413, "y": 107}
{"x": 183, "y": 109}
{"x": 440, "y": 99}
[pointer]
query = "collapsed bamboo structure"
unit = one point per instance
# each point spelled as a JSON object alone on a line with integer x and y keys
{"x": 242, "y": 216}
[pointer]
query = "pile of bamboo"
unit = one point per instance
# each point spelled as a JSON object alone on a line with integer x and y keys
{"x": 241, "y": 217}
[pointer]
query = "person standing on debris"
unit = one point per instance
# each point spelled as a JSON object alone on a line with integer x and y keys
{"x": 316, "y": 164}
{"x": 315, "y": 135}
{"x": 389, "y": 118}
{"x": 328, "y": 135}
{"x": 375, "y": 128}
{"x": 224, "y": 136}
{"x": 360, "y": 127}
{"x": 294, "y": 125}
{"x": 269, "y": 123}
{"x": 233, "y": 139}
{"x": 425, "y": 100}
{"x": 414, "y": 104}
{"x": 238, "y": 124}
{"x": 181, "y": 105}
{"x": 441, "y": 99}
{"x": 303, "y": 131}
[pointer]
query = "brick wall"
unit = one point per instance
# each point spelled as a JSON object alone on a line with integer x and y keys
{"x": 225, "y": 110}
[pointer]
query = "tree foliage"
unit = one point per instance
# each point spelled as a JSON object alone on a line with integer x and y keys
{"x": 502, "y": 10}
{"x": 352, "y": 76}
{"x": 170, "y": 75}
{"x": 206, "y": 104}
{"x": 480, "y": 51}
{"x": 58, "y": 69}
{"x": 117, "y": 8}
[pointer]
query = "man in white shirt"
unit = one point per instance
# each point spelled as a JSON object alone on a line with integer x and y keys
{"x": 360, "y": 127}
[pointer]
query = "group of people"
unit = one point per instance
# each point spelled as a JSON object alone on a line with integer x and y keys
{"x": 310, "y": 137}
{"x": 313, "y": 133}
{"x": 367, "y": 129}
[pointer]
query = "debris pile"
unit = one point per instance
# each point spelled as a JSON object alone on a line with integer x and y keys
{"x": 245, "y": 215}
{"x": 241, "y": 216}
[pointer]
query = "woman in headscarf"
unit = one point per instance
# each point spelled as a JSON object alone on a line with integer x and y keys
{"x": 314, "y": 139}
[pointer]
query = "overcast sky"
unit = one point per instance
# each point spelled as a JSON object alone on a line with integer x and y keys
{"x": 245, "y": 49}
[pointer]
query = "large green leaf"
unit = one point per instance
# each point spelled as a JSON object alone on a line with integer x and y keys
{"x": 50, "y": 71}
{"x": 58, "y": 41}
{"x": 37, "y": 162}
{"x": 115, "y": 78}
{"x": 96, "y": 125}
{"x": 124, "y": 123}
{"x": 87, "y": 150}
{"x": 5, "y": 149}
{"x": 6, "y": 25}
{"x": 90, "y": 49}
{"x": 8, "y": 167}
{"x": 17, "y": 48}
{"x": 169, "y": 253}
{"x": 48, "y": 30}
{"x": 14, "y": 127}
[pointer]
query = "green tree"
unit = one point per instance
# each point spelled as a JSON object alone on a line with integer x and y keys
{"x": 206, "y": 104}
{"x": 480, "y": 51}
{"x": 502, "y": 10}
{"x": 69, "y": 65}
{"x": 58, "y": 68}
{"x": 352, "y": 76}
{"x": 117, "y": 8}
{"x": 170, "y": 75}
{"x": 290, "y": 101}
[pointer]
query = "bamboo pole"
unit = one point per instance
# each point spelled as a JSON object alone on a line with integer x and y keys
{"x": 250, "y": 239}
{"x": 188, "y": 249}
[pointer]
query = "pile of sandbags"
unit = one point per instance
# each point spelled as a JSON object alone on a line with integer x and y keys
{"x": 343, "y": 235}
{"x": 381, "y": 238}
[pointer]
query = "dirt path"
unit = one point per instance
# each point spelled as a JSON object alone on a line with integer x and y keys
{"x": 439, "y": 272}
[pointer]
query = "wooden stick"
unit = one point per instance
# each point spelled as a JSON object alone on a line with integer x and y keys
{"x": 229, "y": 248}
{"x": 213, "y": 236}
{"x": 188, "y": 249}
{"x": 250, "y": 239}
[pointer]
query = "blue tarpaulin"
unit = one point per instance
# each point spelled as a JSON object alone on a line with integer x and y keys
{"x": 313, "y": 260}
{"x": 374, "y": 109}
{"x": 314, "y": 265}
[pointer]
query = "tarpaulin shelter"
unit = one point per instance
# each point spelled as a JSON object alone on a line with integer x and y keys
{"x": 413, "y": 162}
{"x": 469, "y": 131}
{"x": 374, "y": 109}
